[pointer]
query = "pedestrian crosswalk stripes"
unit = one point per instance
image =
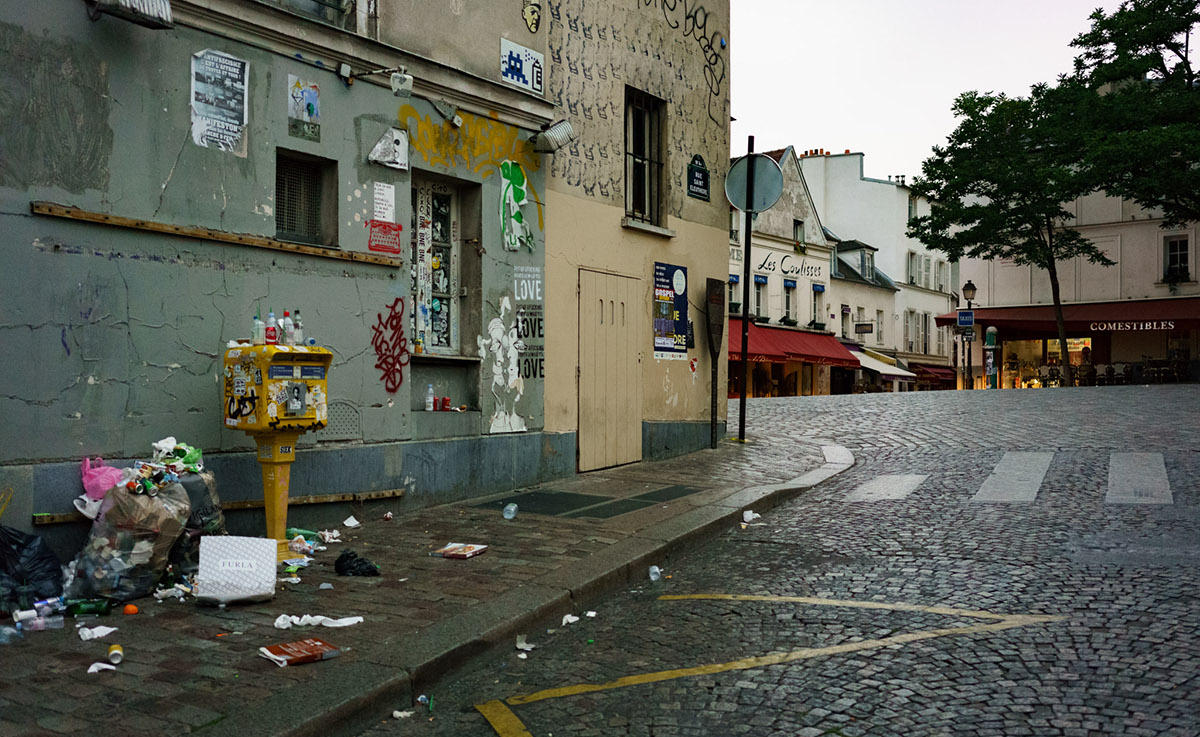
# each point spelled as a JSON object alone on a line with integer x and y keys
{"x": 886, "y": 487}
{"x": 1016, "y": 478}
{"x": 1133, "y": 478}
{"x": 1138, "y": 478}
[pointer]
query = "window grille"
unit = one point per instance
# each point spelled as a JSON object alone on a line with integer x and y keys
{"x": 299, "y": 198}
{"x": 643, "y": 156}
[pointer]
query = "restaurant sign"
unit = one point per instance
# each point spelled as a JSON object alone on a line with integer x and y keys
{"x": 1146, "y": 325}
{"x": 148, "y": 13}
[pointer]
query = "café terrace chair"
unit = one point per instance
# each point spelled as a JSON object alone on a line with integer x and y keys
{"x": 1119, "y": 373}
{"x": 1102, "y": 374}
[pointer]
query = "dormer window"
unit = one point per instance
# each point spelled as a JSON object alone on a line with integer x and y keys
{"x": 868, "y": 266}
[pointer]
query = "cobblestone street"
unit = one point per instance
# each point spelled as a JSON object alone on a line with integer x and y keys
{"x": 1036, "y": 552}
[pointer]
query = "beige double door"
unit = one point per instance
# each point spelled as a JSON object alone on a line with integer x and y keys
{"x": 610, "y": 377}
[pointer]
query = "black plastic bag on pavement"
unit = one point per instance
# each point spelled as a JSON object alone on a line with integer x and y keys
{"x": 206, "y": 518}
{"x": 26, "y": 560}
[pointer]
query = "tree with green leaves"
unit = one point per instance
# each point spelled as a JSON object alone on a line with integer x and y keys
{"x": 1142, "y": 119}
{"x": 999, "y": 186}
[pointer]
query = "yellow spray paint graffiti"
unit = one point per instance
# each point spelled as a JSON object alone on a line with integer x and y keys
{"x": 481, "y": 144}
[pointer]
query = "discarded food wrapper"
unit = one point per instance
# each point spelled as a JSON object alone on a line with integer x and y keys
{"x": 402, "y": 714}
{"x": 387, "y": 516}
{"x": 95, "y": 633}
{"x": 749, "y": 516}
{"x": 330, "y": 536}
{"x": 236, "y": 568}
{"x": 459, "y": 550}
{"x": 569, "y": 619}
{"x": 299, "y": 545}
{"x": 350, "y": 522}
{"x": 298, "y": 562}
{"x": 350, "y": 564}
{"x": 284, "y": 621}
{"x": 302, "y": 651}
{"x": 97, "y": 667}
{"x": 172, "y": 593}
{"x": 524, "y": 644}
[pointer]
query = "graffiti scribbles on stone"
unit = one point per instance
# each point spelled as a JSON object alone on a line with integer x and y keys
{"x": 243, "y": 406}
{"x": 532, "y": 13}
{"x": 391, "y": 346}
{"x": 504, "y": 347}
{"x": 512, "y": 197}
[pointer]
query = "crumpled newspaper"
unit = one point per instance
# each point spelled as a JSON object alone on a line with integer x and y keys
{"x": 95, "y": 633}
{"x": 284, "y": 621}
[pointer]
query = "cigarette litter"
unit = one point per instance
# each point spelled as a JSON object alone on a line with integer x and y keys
{"x": 95, "y": 633}
{"x": 350, "y": 522}
{"x": 524, "y": 644}
{"x": 97, "y": 667}
{"x": 569, "y": 619}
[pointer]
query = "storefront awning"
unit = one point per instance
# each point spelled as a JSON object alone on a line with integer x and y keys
{"x": 779, "y": 344}
{"x": 941, "y": 373}
{"x": 1181, "y": 313}
{"x": 888, "y": 372}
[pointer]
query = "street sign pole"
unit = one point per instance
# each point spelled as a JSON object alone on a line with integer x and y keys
{"x": 746, "y": 289}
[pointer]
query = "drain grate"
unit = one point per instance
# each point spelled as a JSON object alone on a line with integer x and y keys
{"x": 668, "y": 493}
{"x": 546, "y": 502}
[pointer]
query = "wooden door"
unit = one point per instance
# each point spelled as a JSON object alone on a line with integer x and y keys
{"x": 610, "y": 381}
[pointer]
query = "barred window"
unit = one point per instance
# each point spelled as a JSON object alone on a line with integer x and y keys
{"x": 305, "y": 199}
{"x": 643, "y": 156}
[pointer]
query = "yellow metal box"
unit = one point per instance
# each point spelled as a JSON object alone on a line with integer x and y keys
{"x": 276, "y": 388}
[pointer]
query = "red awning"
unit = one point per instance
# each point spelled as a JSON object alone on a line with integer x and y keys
{"x": 1094, "y": 317}
{"x": 943, "y": 373}
{"x": 780, "y": 344}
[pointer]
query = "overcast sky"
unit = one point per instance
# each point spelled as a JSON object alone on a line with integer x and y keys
{"x": 879, "y": 76}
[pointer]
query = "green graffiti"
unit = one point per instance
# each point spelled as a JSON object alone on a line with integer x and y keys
{"x": 513, "y": 196}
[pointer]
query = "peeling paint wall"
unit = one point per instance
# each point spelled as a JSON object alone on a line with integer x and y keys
{"x": 118, "y": 333}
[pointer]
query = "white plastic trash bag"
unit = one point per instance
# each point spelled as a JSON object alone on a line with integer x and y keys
{"x": 236, "y": 569}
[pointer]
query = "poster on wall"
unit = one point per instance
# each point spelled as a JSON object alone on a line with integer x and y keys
{"x": 521, "y": 67}
{"x": 304, "y": 109}
{"x": 391, "y": 149}
{"x": 220, "y": 84}
{"x": 670, "y": 312}
{"x": 531, "y": 321}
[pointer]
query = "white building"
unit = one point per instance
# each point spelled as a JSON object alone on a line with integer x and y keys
{"x": 876, "y": 212}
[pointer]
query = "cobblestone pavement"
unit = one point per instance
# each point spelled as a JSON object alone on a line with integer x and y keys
{"x": 1119, "y": 652}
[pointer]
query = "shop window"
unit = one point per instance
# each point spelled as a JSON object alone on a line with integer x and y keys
{"x": 644, "y": 156}
{"x": 1175, "y": 259}
{"x": 436, "y": 268}
{"x": 879, "y": 327}
{"x": 305, "y": 198}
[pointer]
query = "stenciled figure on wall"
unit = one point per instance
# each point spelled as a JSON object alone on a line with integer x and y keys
{"x": 513, "y": 195}
{"x": 532, "y": 13}
{"x": 507, "y": 386}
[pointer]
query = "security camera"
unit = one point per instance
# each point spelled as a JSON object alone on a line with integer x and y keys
{"x": 402, "y": 84}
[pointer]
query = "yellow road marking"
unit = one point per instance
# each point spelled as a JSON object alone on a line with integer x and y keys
{"x": 507, "y": 724}
{"x": 502, "y": 719}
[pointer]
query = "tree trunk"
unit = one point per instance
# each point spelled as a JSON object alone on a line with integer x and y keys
{"x": 1052, "y": 270}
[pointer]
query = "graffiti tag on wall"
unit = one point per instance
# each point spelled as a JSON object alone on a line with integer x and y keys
{"x": 504, "y": 346}
{"x": 694, "y": 25}
{"x": 391, "y": 346}
{"x": 512, "y": 197}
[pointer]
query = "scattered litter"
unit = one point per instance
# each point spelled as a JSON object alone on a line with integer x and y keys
{"x": 403, "y": 580}
{"x": 402, "y": 714}
{"x": 325, "y": 586}
{"x": 524, "y": 644}
{"x": 749, "y": 516}
{"x": 284, "y": 621}
{"x": 569, "y": 619}
{"x": 298, "y": 562}
{"x": 302, "y": 651}
{"x": 116, "y": 654}
{"x": 299, "y": 545}
{"x": 350, "y": 522}
{"x": 290, "y": 579}
{"x": 330, "y": 536}
{"x": 655, "y": 573}
{"x": 293, "y": 531}
{"x": 459, "y": 550}
{"x": 510, "y": 511}
{"x": 130, "y": 609}
{"x": 522, "y": 656}
{"x": 172, "y": 593}
{"x": 95, "y": 633}
{"x": 423, "y": 699}
{"x": 350, "y": 564}
{"x": 387, "y": 516}
{"x": 97, "y": 667}
{"x": 591, "y": 614}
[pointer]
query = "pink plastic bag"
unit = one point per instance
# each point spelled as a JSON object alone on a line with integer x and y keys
{"x": 98, "y": 478}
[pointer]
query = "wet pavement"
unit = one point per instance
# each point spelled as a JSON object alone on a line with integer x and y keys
{"x": 995, "y": 563}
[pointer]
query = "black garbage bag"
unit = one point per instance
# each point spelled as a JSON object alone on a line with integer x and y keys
{"x": 26, "y": 560}
{"x": 350, "y": 564}
{"x": 206, "y": 518}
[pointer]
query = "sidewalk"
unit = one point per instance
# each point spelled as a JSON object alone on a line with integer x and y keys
{"x": 196, "y": 669}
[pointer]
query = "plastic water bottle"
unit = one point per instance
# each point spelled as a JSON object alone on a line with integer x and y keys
{"x": 288, "y": 328}
{"x": 259, "y": 335}
{"x": 655, "y": 573}
{"x": 429, "y": 399}
{"x": 299, "y": 328}
{"x": 271, "y": 335}
{"x": 510, "y": 511}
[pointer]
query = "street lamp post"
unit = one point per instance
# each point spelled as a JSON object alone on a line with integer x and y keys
{"x": 968, "y": 293}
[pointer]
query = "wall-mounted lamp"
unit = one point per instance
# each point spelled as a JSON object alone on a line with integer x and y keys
{"x": 401, "y": 80}
{"x": 553, "y": 137}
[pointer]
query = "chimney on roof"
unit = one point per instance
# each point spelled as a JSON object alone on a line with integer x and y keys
{"x": 889, "y": 177}
{"x": 847, "y": 150}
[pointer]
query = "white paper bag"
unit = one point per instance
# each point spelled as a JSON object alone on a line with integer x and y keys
{"x": 236, "y": 569}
